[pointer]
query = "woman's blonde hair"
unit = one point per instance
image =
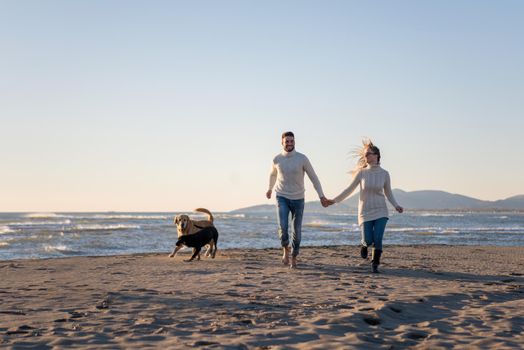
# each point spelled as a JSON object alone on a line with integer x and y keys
{"x": 360, "y": 154}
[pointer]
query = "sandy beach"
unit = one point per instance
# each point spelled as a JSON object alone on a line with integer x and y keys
{"x": 435, "y": 297}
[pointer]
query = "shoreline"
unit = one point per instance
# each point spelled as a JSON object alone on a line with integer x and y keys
{"x": 426, "y": 296}
{"x": 303, "y": 247}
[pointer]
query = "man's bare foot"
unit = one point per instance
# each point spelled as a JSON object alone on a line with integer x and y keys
{"x": 293, "y": 264}
{"x": 285, "y": 257}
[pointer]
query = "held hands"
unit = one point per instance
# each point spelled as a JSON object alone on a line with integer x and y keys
{"x": 326, "y": 202}
{"x": 399, "y": 209}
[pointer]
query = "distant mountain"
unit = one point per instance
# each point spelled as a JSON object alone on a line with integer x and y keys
{"x": 445, "y": 200}
{"x": 415, "y": 200}
{"x": 437, "y": 200}
{"x": 263, "y": 208}
{"x": 515, "y": 202}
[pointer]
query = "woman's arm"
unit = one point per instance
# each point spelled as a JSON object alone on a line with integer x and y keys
{"x": 389, "y": 194}
{"x": 352, "y": 186}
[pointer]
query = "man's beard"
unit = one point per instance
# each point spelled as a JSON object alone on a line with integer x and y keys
{"x": 290, "y": 148}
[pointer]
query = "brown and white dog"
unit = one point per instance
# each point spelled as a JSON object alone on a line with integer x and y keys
{"x": 187, "y": 226}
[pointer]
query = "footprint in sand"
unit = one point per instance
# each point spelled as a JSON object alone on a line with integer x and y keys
{"x": 372, "y": 321}
{"x": 416, "y": 335}
{"x": 366, "y": 309}
{"x": 364, "y": 301}
{"x": 12, "y": 312}
{"x": 76, "y": 314}
{"x": 204, "y": 343}
{"x": 24, "y": 329}
{"x": 345, "y": 307}
{"x": 395, "y": 309}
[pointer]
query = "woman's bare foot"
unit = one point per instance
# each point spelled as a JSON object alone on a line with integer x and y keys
{"x": 285, "y": 257}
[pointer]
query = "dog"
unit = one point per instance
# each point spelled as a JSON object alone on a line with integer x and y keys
{"x": 186, "y": 226}
{"x": 207, "y": 235}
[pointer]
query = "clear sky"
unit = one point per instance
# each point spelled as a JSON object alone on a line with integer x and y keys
{"x": 172, "y": 105}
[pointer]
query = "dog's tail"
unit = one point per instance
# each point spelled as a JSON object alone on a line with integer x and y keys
{"x": 205, "y": 211}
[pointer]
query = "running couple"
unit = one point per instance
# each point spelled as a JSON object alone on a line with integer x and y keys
{"x": 287, "y": 176}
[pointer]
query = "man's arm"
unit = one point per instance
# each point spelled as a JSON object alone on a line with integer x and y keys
{"x": 272, "y": 180}
{"x": 308, "y": 168}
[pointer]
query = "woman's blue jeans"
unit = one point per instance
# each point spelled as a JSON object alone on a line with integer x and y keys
{"x": 373, "y": 232}
{"x": 295, "y": 207}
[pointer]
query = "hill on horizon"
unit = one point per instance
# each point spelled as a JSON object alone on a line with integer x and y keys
{"x": 414, "y": 200}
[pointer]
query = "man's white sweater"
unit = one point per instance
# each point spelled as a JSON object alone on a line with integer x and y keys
{"x": 374, "y": 184}
{"x": 288, "y": 170}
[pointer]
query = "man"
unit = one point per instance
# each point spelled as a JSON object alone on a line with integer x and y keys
{"x": 287, "y": 172}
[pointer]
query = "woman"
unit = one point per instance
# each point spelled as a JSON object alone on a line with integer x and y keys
{"x": 374, "y": 183}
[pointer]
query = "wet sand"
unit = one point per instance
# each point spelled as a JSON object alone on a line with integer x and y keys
{"x": 434, "y": 297}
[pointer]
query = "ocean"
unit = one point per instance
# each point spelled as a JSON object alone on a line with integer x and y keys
{"x": 57, "y": 235}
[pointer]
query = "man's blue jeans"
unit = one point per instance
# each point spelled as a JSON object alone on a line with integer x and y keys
{"x": 284, "y": 208}
{"x": 373, "y": 232}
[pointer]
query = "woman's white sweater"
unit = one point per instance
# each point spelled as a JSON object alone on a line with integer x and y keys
{"x": 374, "y": 184}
